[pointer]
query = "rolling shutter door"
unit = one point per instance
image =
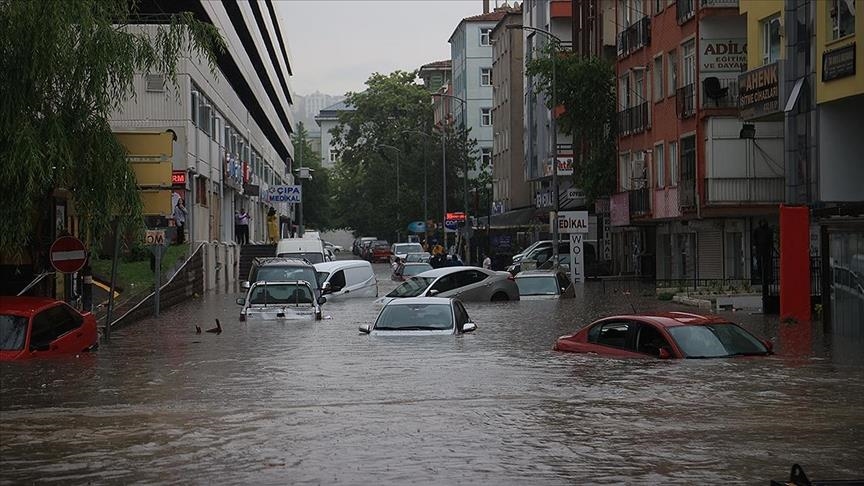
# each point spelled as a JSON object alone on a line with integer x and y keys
{"x": 710, "y": 252}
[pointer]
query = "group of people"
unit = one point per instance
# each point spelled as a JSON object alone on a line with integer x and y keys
{"x": 441, "y": 258}
{"x": 241, "y": 223}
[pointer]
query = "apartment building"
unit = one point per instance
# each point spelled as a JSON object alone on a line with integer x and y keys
{"x": 327, "y": 120}
{"x": 232, "y": 129}
{"x": 436, "y": 74}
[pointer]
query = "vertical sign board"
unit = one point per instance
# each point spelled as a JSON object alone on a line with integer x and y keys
{"x": 575, "y": 223}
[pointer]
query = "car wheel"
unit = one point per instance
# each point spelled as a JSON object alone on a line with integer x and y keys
{"x": 500, "y": 297}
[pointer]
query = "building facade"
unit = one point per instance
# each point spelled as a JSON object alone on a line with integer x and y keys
{"x": 327, "y": 120}
{"x": 436, "y": 74}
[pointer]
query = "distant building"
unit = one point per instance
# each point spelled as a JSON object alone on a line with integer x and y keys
{"x": 436, "y": 74}
{"x": 327, "y": 119}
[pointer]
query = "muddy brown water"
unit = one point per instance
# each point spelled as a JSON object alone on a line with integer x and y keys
{"x": 319, "y": 403}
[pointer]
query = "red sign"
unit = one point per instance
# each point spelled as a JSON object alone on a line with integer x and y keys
{"x": 68, "y": 254}
{"x": 456, "y": 216}
{"x": 178, "y": 177}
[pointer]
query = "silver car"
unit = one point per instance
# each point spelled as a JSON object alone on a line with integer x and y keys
{"x": 544, "y": 284}
{"x": 465, "y": 283}
{"x": 277, "y": 301}
{"x": 425, "y": 316}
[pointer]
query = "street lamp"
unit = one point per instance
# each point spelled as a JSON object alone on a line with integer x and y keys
{"x": 398, "y": 208}
{"x": 553, "y": 125}
{"x": 444, "y": 168}
{"x": 425, "y": 194}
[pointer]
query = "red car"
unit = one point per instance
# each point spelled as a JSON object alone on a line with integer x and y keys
{"x": 668, "y": 335}
{"x": 39, "y": 326}
{"x": 379, "y": 251}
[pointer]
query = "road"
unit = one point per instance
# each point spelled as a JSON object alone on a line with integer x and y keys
{"x": 320, "y": 403}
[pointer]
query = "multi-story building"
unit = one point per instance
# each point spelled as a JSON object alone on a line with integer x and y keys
{"x": 436, "y": 74}
{"x": 510, "y": 192}
{"x": 327, "y": 120}
{"x": 232, "y": 127}
{"x": 693, "y": 182}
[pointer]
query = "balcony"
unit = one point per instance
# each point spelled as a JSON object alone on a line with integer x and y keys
{"x": 746, "y": 190}
{"x": 686, "y": 10}
{"x": 718, "y": 3}
{"x": 639, "y": 202}
{"x": 685, "y": 101}
{"x": 719, "y": 92}
{"x": 634, "y": 37}
{"x": 666, "y": 204}
{"x": 633, "y": 120}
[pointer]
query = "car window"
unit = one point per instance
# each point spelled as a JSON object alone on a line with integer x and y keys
{"x": 446, "y": 283}
{"x": 415, "y": 317}
{"x": 649, "y": 340}
{"x": 537, "y": 285}
{"x": 612, "y": 334}
{"x": 337, "y": 281}
{"x": 52, "y": 323}
{"x": 716, "y": 341}
{"x": 282, "y": 273}
{"x": 469, "y": 277}
{"x": 357, "y": 275}
{"x": 412, "y": 287}
{"x": 13, "y": 332}
{"x": 311, "y": 257}
{"x": 416, "y": 268}
{"x": 280, "y": 294}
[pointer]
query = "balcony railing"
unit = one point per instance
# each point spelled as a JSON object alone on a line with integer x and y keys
{"x": 726, "y": 190}
{"x": 686, "y": 10}
{"x": 633, "y": 119}
{"x": 718, "y": 3}
{"x": 640, "y": 201}
{"x": 719, "y": 92}
{"x": 634, "y": 37}
{"x": 685, "y": 101}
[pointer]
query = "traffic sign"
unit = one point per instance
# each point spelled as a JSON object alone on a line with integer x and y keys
{"x": 289, "y": 194}
{"x": 155, "y": 238}
{"x": 68, "y": 254}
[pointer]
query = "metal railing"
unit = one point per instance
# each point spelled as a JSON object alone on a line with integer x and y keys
{"x": 634, "y": 37}
{"x": 726, "y": 95}
{"x": 640, "y": 201}
{"x": 687, "y": 193}
{"x": 685, "y": 98}
{"x": 744, "y": 189}
{"x": 633, "y": 119}
{"x": 686, "y": 10}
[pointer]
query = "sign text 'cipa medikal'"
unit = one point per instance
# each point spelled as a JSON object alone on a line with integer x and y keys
{"x": 289, "y": 194}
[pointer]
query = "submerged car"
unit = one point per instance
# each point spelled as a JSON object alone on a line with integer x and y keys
{"x": 276, "y": 301}
{"x": 276, "y": 269}
{"x": 346, "y": 279}
{"x": 401, "y": 250}
{"x": 667, "y": 335}
{"x": 40, "y": 326}
{"x": 421, "y": 316}
{"x": 409, "y": 270}
{"x": 544, "y": 284}
{"x": 465, "y": 283}
{"x": 379, "y": 251}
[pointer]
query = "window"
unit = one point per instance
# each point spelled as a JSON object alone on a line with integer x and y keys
{"x": 485, "y": 76}
{"x": 649, "y": 340}
{"x": 771, "y": 39}
{"x": 13, "y": 332}
{"x": 638, "y": 87}
{"x": 337, "y": 281}
{"x": 486, "y": 117}
{"x": 52, "y": 323}
{"x": 469, "y": 277}
{"x": 200, "y": 191}
{"x": 657, "y": 82}
{"x": 660, "y": 164}
{"x": 688, "y": 62}
{"x": 204, "y": 115}
{"x": 194, "y": 104}
{"x": 446, "y": 283}
{"x": 658, "y": 6}
{"x": 334, "y": 155}
{"x": 624, "y": 90}
{"x": 673, "y": 164}
{"x": 612, "y": 334}
{"x": 672, "y": 69}
{"x": 485, "y": 157}
{"x": 841, "y": 15}
{"x": 484, "y": 36}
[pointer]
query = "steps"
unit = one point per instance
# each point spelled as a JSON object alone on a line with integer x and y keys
{"x": 250, "y": 252}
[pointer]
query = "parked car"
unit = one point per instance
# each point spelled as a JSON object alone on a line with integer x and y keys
{"x": 593, "y": 267}
{"x": 379, "y": 251}
{"x": 410, "y": 270}
{"x": 347, "y": 279}
{"x": 40, "y": 326}
{"x": 272, "y": 269}
{"x": 334, "y": 248}
{"x": 668, "y": 335}
{"x": 310, "y": 249}
{"x": 366, "y": 249}
{"x": 418, "y": 257}
{"x": 401, "y": 250}
{"x": 275, "y": 301}
{"x": 466, "y": 283}
{"x": 518, "y": 257}
{"x": 538, "y": 256}
{"x": 421, "y": 316}
{"x": 357, "y": 246}
{"x": 544, "y": 284}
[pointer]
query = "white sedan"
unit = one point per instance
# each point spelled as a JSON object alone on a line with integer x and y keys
{"x": 425, "y": 316}
{"x": 465, "y": 283}
{"x": 334, "y": 248}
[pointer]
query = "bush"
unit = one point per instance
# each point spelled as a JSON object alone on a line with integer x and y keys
{"x": 665, "y": 295}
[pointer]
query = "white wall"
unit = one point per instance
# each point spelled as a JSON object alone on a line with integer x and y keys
{"x": 729, "y": 156}
{"x": 841, "y": 150}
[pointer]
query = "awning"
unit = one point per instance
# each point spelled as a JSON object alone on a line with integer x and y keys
{"x": 517, "y": 218}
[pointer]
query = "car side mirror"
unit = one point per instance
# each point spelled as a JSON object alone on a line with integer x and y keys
{"x": 433, "y": 293}
{"x": 326, "y": 288}
{"x": 322, "y": 300}
{"x": 241, "y": 301}
{"x": 664, "y": 353}
{"x": 366, "y": 328}
{"x": 469, "y": 327}
{"x": 40, "y": 347}
{"x": 245, "y": 285}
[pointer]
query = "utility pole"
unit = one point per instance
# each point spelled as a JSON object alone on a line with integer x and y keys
{"x": 300, "y": 183}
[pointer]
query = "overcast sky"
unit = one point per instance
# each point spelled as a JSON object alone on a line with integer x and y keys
{"x": 337, "y": 44}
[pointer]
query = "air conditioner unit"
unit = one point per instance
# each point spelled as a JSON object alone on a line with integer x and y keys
{"x": 638, "y": 170}
{"x": 155, "y": 83}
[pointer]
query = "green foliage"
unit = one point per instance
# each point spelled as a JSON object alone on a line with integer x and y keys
{"x": 316, "y": 193}
{"x": 390, "y": 125}
{"x": 65, "y": 66}
{"x": 585, "y": 87}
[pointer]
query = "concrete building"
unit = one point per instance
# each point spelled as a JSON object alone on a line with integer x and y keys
{"x": 233, "y": 128}
{"x": 436, "y": 74}
{"x": 327, "y": 119}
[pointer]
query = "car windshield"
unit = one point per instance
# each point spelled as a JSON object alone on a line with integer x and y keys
{"x": 716, "y": 341}
{"x": 412, "y": 287}
{"x": 13, "y": 332}
{"x": 417, "y": 257}
{"x": 311, "y": 257}
{"x": 280, "y": 273}
{"x": 280, "y": 293}
{"x": 415, "y": 317}
{"x": 403, "y": 248}
{"x": 416, "y": 268}
{"x": 537, "y": 285}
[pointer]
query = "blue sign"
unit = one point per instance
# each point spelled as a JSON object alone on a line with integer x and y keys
{"x": 417, "y": 227}
{"x": 451, "y": 225}
{"x": 289, "y": 194}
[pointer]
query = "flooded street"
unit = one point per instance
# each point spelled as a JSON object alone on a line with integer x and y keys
{"x": 319, "y": 403}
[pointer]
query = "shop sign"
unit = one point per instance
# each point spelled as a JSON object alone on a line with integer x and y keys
{"x": 178, "y": 178}
{"x": 565, "y": 166}
{"x": 723, "y": 55}
{"x": 838, "y": 63}
{"x": 759, "y": 92}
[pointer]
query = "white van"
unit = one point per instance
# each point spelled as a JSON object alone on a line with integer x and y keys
{"x": 309, "y": 249}
{"x": 347, "y": 279}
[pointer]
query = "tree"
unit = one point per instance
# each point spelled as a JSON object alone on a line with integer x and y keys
{"x": 378, "y": 134}
{"x": 316, "y": 193}
{"x": 65, "y": 66}
{"x": 585, "y": 87}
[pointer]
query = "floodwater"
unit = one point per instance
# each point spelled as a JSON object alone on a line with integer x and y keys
{"x": 319, "y": 403}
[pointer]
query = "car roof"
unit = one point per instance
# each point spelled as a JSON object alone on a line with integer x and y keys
{"x": 538, "y": 273}
{"x": 27, "y": 305}
{"x": 342, "y": 264}
{"x": 417, "y": 264}
{"x": 420, "y": 300}
{"x": 262, "y": 283}
{"x": 674, "y": 319}
{"x": 267, "y": 261}
{"x": 437, "y": 272}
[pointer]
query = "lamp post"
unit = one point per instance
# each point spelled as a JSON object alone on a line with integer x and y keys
{"x": 553, "y": 127}
{"x": 398, "y": 208}
{"x": 425, "y": 192}
{"x": 444, "y": 169}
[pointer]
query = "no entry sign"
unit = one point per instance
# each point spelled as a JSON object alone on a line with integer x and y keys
{"x": 68, "y": 254}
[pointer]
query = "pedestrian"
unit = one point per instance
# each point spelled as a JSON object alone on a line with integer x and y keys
{"x": 243, "y": 220}
{"x": 487, "y": 262}
{"x": 398, "y": 266}
{"x": 180, "y": 220}
{"x": 272, "y": 226}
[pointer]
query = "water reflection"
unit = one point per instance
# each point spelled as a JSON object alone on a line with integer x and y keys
{"x": 320, "y": 403}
